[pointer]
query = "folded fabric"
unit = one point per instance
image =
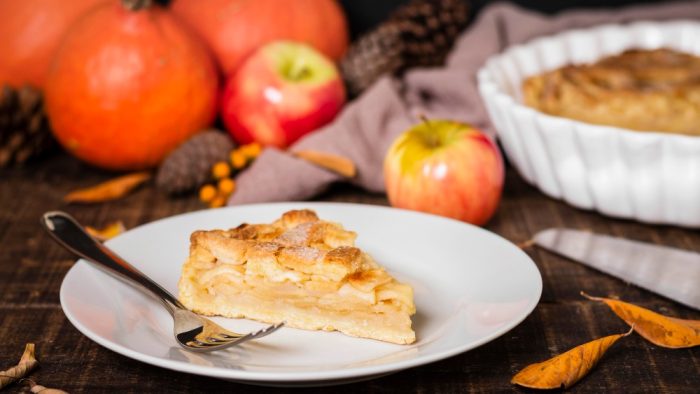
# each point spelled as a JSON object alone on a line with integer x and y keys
{"x": 368, "y": 125}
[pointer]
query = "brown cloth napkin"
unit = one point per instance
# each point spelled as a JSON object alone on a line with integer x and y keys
{"x": 367, "y": 126}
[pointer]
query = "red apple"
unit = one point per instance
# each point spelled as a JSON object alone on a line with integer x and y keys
{"x": 445, "y": 168}
{"x": 281, "y": 92}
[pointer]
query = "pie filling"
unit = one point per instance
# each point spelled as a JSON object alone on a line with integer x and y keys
{"x": 300, "y": 270}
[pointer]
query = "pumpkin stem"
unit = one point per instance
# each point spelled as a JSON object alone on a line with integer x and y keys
{"x": 135, "y": 5}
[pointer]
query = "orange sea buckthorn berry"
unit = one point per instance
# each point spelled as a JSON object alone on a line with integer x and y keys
{"x": 238, "y": 159}
{"x": 251, "y": 150}
{"x": 218, "y": 201}
{"x": 221, "y": 170}
{"x": 207, "y": 193}
{"x": 226, "y": 186}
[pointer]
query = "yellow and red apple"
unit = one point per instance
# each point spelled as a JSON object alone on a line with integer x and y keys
{"x": 446, "y": 168}
{"x": 281, "y": 92}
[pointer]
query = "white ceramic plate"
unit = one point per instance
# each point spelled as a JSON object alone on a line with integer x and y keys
{"x": 471, "y": 286}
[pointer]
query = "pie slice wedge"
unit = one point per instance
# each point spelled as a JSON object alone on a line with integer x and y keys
{"x": 301, "y": 270}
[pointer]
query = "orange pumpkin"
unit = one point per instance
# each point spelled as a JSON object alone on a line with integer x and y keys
{"x": 235, "y": 28}
{"x": 31, "y": 31}
{"x": 127, "y": 86}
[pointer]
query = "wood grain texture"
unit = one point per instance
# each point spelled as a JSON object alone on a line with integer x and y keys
{"x": 32, "y": 268}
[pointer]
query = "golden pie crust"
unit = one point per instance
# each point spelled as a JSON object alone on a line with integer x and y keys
{"x": 644, "y": 90}
{"x": 301, "y": 270}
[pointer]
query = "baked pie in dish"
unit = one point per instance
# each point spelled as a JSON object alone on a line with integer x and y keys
{"x": 644, "y": 90}
{"x": 301, "y": 270}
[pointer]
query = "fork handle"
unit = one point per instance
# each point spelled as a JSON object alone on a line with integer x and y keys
{"x": 71, "y": 235}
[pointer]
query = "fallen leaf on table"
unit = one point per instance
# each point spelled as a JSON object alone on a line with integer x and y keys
{"x": 39, "y": 389}
{"x": 566, "y": 369}
{"x": 660, "y": 330}
{"x": 109, "y": 190}
{"x": 109, "y": 231}
{"x": 26, "y": 363}
{"x": 336, "y": 163}
{"x": 525, "y": 244}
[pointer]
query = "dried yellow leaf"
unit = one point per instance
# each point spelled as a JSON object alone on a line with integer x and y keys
{"x": 339, "y": 164}
{"x": 664, "y": 331}
{"x": 26, "y": 363}
{"x": 566, "y": 369}
{"x": 109, "y": 190}
{"x": 39, "y": 389}
{"x": 109, "y": 231}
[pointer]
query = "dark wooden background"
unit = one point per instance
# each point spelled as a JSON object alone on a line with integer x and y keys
{"x": 363, "y": 15}
{"x": 32, "y": 268}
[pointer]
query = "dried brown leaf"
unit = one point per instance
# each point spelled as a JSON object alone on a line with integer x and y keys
{"x": 109, "y": 231}
{"x": 664, "y": 331}
{"x": 109, "y": 190}
{"x": 566, "y": 369}
{"x": 26, "y": 363}
{"x": 339, "y": 164}
{"x": 37, "y": 388}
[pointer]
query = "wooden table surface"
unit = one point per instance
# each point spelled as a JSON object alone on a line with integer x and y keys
{"x": 32, "y": 268}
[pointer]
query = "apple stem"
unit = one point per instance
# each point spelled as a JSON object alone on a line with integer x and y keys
{"x": 298, "y": 71}
{"x": 434, "y": 140}
{"x": 135, "y": 5}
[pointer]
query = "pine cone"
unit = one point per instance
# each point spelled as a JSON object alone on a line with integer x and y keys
{"x": 419, "y": 33}
{"x": 372, "y": 56}
{"x": 24, "y": 128}
{"x": 189, "y": 166}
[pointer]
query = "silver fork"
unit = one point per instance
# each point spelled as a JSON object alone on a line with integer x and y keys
{"x": 192, "y": 332}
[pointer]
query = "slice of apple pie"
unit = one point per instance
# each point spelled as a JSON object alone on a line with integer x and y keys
{"x": 301, "y": 270}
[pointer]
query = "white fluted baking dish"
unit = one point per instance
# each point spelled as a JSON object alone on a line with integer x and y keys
{"x": 647, "y": 176}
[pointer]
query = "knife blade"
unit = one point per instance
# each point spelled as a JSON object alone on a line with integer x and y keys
{"x": 671, "y": 272}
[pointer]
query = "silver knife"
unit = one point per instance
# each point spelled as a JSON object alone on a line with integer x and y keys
{"x": 671, "y": 272}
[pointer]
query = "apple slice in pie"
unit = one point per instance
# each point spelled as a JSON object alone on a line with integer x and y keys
{"x": 301, "y": 270}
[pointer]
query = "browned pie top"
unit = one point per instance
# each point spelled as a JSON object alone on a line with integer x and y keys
{"x": 645, "y": 90}
{"x": 298, "y": 241}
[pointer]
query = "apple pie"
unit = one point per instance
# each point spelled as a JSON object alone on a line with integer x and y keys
{"x": 645, "y": 90}
{"x": 301, "y": 270}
